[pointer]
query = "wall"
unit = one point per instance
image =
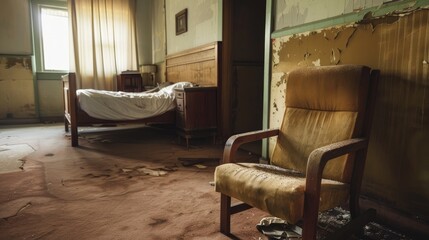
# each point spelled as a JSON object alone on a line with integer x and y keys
{"x": 159, "y": 40}
{"x": 17, "y": 99}
{"x": 144, "y": 15}
{"x": 397, "y": 170}
{"x": 50, "y": 96}
{"x": 204, "y": 18}
{"x": 158, "y": 33}
{"x": 289, "y": 13}
{"x": 16, "y": 89}
{"x": 15, "y": 37}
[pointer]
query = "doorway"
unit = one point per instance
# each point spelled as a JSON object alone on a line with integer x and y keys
{"x": 243, "y": 68}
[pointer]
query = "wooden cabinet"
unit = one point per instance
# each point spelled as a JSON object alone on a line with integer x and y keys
{"x": 196, "y": 112}
{"x": 130, "y": 82}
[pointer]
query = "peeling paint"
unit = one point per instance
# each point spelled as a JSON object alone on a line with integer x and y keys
{"x": 398, "y": 46}
{"x": 13, "y": 61}
{"x": 16, "y": 80}
{"x": 290, "y": 13}
{"x": 276, "y": 109}
{"x": 316, "y": 63}
{"x": 335, "y": 56}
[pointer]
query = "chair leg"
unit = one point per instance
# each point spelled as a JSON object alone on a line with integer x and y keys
{"x": 309, "y": 231}
{"x": 225, "y": 214}
{"x": 354, "y": 206}
{"x": 311, "y": 214}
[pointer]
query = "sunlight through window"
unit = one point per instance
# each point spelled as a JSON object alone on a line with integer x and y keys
{"x": 55, "y": 37}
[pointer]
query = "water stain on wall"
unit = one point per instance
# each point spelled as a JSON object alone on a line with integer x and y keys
{"x": 13, "y": 61}
{"x": 16, "y": 88}
{"x": 397, "y": 169}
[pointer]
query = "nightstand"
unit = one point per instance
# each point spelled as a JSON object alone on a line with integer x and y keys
{"x": 196, "y": 112}
{"x": 130, "y": 82}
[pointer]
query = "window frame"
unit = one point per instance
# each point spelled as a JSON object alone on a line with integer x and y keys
{"x": 37, "y": 6}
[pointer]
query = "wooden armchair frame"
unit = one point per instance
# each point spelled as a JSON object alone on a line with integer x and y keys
{"x": 315, "y": 166}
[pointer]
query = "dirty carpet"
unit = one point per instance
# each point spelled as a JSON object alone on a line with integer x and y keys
{"x": 126, "y": 184}
{"x": 121, "y": 183}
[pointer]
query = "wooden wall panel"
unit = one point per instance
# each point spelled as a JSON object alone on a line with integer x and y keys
{"x": 198, "y": 65}
{"x": 397, "y": 168}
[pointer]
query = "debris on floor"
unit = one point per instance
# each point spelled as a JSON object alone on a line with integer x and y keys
{"x": 143, "y": 170}
{"x": 329, "y": 221}
{"x": 200, "y": 166}
{"x": 337, "y": 217}
{"x": 276, "y": 228}
{"x": 155, "y": 173}
{"x": 197, "y": 161}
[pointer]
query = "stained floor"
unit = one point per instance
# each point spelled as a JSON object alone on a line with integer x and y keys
{"x": 126, "y": 184}
{"x": 119, "y": 184}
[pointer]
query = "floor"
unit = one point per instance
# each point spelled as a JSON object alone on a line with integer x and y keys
{"x": 124, "y": 184}
{"x": 119, "y": 184}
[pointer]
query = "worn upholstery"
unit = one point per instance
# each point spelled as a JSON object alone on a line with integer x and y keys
{"x": 274, "y": 189}
{"x": 323, "y": 106}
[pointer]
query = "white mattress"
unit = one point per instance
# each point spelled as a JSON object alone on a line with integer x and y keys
{"x": 110, "y": 105}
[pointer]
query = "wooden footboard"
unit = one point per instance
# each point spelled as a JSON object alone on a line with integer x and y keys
{"x": 75, "y": 117}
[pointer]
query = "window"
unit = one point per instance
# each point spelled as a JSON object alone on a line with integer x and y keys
{"x": 54, "y": 37}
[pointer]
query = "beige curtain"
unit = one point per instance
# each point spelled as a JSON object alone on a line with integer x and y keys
{"x": 103, "y": 41}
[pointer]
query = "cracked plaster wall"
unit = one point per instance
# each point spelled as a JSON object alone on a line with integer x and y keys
{"x": 397, "y": 170}
{"x": 291, "y": 13}
{"x": 16, "y": 76}
{"x": 16, "y": 88}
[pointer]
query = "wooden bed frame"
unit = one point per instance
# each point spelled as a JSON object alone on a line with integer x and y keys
{"x": 200, "y": 65}
{"x": 75, "y": 117}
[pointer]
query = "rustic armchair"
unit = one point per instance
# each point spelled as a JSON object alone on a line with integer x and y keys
{"x": 319, "y": 157}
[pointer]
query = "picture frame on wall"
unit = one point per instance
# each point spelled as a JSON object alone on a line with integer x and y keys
{"x": 182, "y": 21}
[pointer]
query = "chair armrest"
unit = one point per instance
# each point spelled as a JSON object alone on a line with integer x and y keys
{"x": 316, "y": 163}
{"x": 235, "y": 141}
{"x": 320, "y": 156}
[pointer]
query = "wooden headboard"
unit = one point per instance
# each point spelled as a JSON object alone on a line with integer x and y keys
{"x": 198, "y": 65}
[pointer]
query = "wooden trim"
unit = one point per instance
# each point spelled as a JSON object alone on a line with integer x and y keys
{"x": 353, "y": 17}
{"x": 267, "y": 75}
{"x": 227, "y": 33}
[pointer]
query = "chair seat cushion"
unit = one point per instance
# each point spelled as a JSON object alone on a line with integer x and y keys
{"x": 275, "y": 190}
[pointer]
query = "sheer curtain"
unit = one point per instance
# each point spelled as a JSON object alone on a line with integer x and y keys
{"x": 103, "y": 42}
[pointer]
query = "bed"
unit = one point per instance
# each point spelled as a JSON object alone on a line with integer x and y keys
{"x": 85, "y": 107}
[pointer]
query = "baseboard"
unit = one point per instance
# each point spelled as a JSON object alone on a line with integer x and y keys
{"x": 16, "y": 121}
{"x": 52, "y": 119}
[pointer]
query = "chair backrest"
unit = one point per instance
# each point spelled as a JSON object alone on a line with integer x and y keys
{"x": 323, "y": 105}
